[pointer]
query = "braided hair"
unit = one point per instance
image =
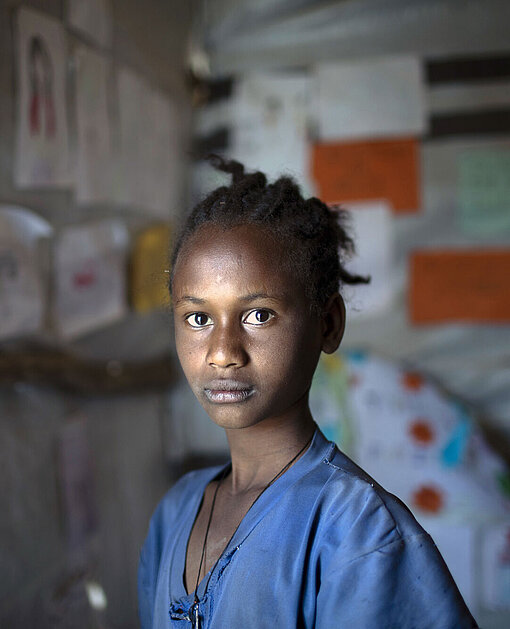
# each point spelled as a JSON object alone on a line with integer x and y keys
{"x": 314, "y": 235}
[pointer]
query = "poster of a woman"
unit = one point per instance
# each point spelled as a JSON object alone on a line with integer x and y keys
{"x": 42, "y": 152}
{"x": 41, "y": 102}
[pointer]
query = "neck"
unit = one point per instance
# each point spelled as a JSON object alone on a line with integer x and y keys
{"x": 259, "y": 452}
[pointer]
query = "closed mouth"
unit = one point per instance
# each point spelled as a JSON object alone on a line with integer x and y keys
{"x": 228, "y": 391}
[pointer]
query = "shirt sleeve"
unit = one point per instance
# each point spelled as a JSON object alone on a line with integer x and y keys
{"x": 402, "y": 584}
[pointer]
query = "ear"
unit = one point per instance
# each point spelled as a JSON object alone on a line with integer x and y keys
{"x": 333, "y": 323}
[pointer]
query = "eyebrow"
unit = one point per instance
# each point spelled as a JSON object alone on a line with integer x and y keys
{"x": 246, "y": 298}
{"x": 190, "y": 298}
{"x": 254, "y": 296}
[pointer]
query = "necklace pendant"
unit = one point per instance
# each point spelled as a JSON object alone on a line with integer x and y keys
{"x": 195, "y": 616}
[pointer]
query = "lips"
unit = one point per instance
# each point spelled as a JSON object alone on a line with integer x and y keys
{"x": 227, "y": 391}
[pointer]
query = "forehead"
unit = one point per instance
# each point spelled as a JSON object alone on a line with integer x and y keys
{"x": 246, "y": 255}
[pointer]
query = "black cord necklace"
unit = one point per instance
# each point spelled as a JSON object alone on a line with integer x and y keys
{"x": 194, "y": 616}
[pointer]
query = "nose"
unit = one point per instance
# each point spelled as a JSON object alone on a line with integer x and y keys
{"x": 226, "y": 348}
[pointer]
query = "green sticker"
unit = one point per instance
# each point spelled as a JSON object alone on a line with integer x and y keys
{"x": 484, "y": 192}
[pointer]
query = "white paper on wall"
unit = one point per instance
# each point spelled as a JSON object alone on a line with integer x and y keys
{"x": 158, "y": 143}
{"x": 148, "y": 162}
{"x": 90, "y": 276}
{"x": 130, "y": 89}
{"x": 22, "y": 292}
{"x": 372, "y": 228}
{"x": 42, "y": 151}
{"x": 94, "y": 158}
{"x": 93, "y": 18}
{"x": 370, "y": 98}
{"x": 270, "y": 125}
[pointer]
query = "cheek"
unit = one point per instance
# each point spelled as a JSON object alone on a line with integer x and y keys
{"x": 291, "y": 351}
{"x": 188, "y": 350}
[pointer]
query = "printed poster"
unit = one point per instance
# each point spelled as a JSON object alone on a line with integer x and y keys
{"x": 418, "y": 442}
{"x": 93, "y": 18}
{"x": 23, "y": 292}
{"x": 370, "y": 98}
{"x": 94, "y": 157}
{"x": 90, "y": 276}
{"x": 42, "y": 150}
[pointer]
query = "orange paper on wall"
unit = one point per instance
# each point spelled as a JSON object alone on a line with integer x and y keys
{"x": 460, "y": 285}
{"x": 378, "y": 169}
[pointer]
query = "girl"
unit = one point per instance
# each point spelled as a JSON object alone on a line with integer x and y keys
{"x": 291, "y": 533}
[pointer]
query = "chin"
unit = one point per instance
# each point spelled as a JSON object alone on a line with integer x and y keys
{"x": 231, "y": 421}
{"x": 232, "y": 416}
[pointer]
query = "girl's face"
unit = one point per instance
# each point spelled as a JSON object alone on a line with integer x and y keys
{"x": 246, "y": 337}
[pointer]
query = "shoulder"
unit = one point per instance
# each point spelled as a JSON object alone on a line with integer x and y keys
{"x": 354, "y": 512}
{"x": 370, "y": 547}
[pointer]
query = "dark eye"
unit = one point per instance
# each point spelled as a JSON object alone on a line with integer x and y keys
{"x": 258, "y": 317}
{"x": 198, "y": 320}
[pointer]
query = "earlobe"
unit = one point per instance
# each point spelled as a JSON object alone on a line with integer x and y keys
{"x": 333, "y": 323}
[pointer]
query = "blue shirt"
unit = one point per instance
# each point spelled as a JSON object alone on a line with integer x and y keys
{"x": 324, "y": 547}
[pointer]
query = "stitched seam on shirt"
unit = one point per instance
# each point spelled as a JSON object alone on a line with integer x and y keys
{"x": 327, "y": 458}
{"x": 382, "y": 547}
{"x": 323, "y": 523}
